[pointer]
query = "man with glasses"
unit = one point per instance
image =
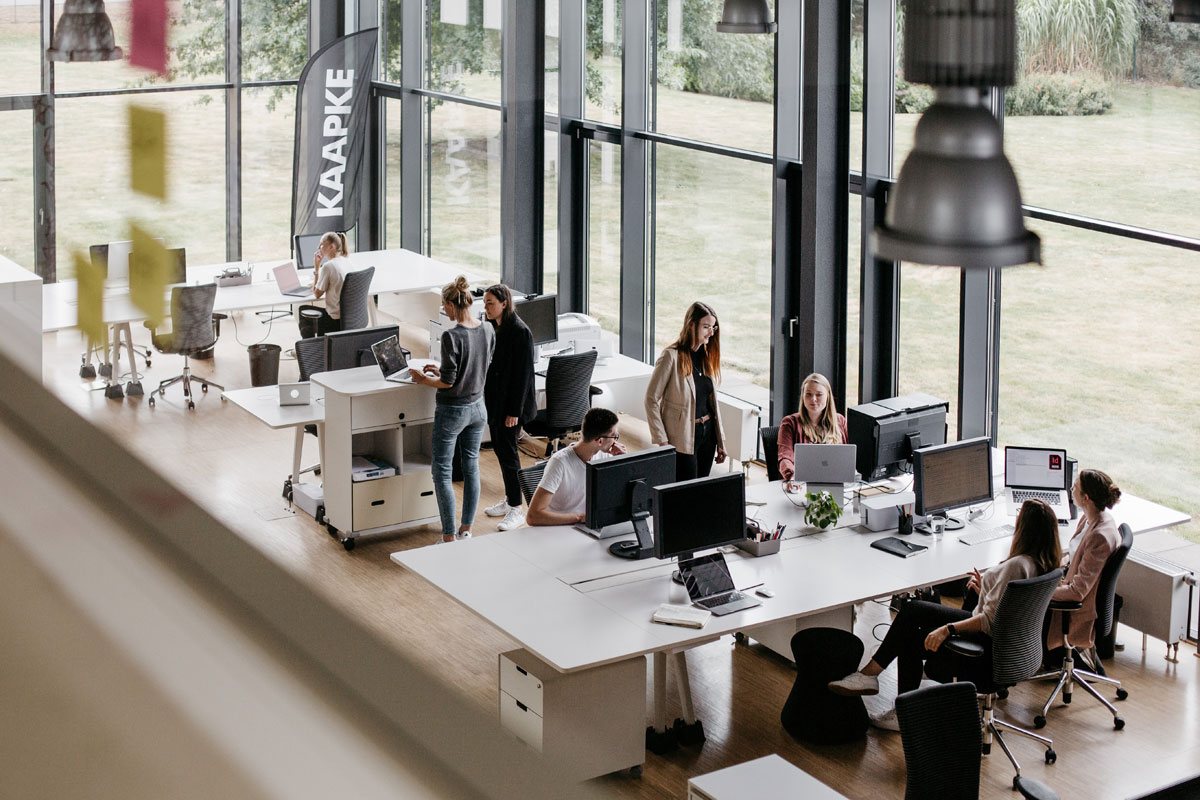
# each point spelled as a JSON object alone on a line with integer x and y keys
{"x": 562, "y": 494}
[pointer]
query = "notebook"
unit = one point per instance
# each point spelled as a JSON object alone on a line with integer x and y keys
{"x": 1036, "y": 473}
{"x": 392, "y": 360}
{"x": 710, "y": 586}
{"x": 686, "y": 616}
{"x": 288, "y": 281}
{"x": 898, "y": 547}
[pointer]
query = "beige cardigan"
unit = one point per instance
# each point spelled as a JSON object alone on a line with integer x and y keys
{"x": 671, "y": 405}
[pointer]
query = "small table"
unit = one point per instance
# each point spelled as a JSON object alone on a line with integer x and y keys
{"x": 262, "y": 402}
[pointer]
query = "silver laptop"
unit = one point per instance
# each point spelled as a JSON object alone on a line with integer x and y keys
{"x": 294, "y": 394}
{"x": 392, "y": 360}
{"x": 288, "y": 281}
{"x": 825, "y": 467}
{"x": 1036, "y": 473}
{"x": 710, "y": 585}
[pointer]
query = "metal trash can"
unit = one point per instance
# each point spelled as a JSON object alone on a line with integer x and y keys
{"x": 264, "y": 364}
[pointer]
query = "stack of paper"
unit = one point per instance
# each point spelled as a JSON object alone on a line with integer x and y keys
{"x": 687, "y": 616}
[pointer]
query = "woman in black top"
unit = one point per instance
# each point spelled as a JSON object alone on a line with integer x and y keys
{"x": 509, "y": 396}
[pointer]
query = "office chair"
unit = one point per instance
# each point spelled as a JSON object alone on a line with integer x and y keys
{"x": 529, "y": 478}
{"x": 770, "y": 446}
{"x": 1014, "y": 650}
{"x": 1069, "y": 674}
{"x": 355, "y": 296}
{"x": 940, "y": 731}
{"x": 191, "y": 332}
{"x": 310, "y": 359}
{"x": 568, "y": 398}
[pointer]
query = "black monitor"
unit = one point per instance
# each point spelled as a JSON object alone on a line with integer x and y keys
{"x": 176, "y": 265}
{"x": 887, "y": 432}
{"x": 540, "y": 313}
{"x": 950, "y": 476}
{"x": 350, "y": 349}
{"x": 619, "y": 490}
{"x": 305, "y": 245}
{"x": 699, "y": 514}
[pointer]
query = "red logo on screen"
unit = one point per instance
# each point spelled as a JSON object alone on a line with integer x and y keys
{"x": 1055, "y": 461}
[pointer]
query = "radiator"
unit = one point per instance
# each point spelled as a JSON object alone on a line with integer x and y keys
{"x": 1156, "y": 595}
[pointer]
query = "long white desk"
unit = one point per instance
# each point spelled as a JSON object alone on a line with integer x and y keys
{"x": 263, "y": 403}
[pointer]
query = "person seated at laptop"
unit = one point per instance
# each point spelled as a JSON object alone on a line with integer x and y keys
{"x": 917, "y": 632}
{"x": 1096, "y": 537}
{"x": 817, "y": 422}
{"x": 562, "y": 494}
{"x": 331, "y": 268}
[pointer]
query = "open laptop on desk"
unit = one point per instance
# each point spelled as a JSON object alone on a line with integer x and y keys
{"x": 710, "y": 586}
{"x": 1037, "y": 473}
{"x": 825, "y": 467}
{"x": 288, "y": 281}
{"x": 392, "y": 360}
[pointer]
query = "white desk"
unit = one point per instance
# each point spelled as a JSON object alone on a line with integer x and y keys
{"x": 21, "y": 315}
{"x": 766, "y": 778}
{"x": 262, "y": 402}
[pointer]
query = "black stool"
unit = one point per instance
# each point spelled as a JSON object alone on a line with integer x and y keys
{"x": 812, "y": 713}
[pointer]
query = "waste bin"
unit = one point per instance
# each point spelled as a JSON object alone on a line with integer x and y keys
{"x": 264, "y": 364}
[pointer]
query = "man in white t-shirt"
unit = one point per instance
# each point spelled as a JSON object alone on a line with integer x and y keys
{"x": 562, "y": 494}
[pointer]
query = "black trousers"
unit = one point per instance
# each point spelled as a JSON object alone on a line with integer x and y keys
{"x": 905, "y": 641}
{"x": 504, "y": 445}
{"x": 698, "y": 463}
{"x": 317, "y": 327}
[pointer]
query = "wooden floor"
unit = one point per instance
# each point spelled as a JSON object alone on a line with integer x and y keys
{"x": 234, "y": 467}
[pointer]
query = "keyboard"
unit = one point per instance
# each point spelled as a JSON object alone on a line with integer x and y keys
{"x": 1021, "y": 495}
{"x": 720, "y": 600}
{"x": 987, "y": 535}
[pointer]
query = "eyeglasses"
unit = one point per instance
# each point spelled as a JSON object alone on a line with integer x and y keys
{"x": 614, "y": 437}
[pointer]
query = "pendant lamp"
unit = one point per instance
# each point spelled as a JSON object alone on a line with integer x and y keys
{"x": 84, "y": 33}
{"x": 746, "y": 16}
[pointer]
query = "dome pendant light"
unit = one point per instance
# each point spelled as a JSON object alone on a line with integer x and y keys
{"x": 746, "y": 16}
{"x": 84, "y": 33}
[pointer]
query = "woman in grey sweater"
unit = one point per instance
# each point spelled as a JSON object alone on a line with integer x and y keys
{"x": 460, "y": 413}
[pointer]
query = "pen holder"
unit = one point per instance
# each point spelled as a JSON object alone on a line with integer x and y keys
{"x": 767, "y": 548}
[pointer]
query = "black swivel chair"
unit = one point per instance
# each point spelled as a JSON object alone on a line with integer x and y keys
{"x": 940, "y": 731}
{"x": 354, "y": 299}
{"x": 529, "y": 478}
{"x": 1069, "y": 674}
{"x": 1014, "y": 650}
{"x": 191, "y": 332}
{"x": 770, "y": 445}
{"x": 568, "y": 398}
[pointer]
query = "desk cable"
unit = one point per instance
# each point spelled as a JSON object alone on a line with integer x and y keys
{"x": 270, "y": 324}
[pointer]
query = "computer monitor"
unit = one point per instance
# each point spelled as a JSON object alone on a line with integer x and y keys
{"x": 887, "y": 432}
{"x": 619, "y": 490}
{"x": 350, "y": 349}
{"x": 305, "y": 244}
{"x": 118, "y": 261}
{"x": 699, "y": 514}
{"x": 541, "y": 315}
{"x": 99, "y": 255}
{"x": 950, "y": 476}
{"x": 176, "y": 265}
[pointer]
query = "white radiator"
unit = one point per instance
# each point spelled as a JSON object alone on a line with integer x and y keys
{"x": 1156, "y": 594}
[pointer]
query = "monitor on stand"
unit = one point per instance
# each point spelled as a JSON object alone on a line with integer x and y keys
{"x": 619, "y": 491}
{"x": 540, "y": 313}
{"x": 350, "y": 349}
{"x": 887, "y": 432}
{"x": 305, "y": 247}
{"x": 950, "y": 476}
{"x": 700, "y": 514}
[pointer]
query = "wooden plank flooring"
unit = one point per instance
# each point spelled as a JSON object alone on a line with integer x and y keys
{"x": 234, "y": 467}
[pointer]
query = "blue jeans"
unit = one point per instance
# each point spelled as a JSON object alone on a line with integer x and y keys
{"x": 457, "y": 424}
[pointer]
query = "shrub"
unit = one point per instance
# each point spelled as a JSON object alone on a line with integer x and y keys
{"x": 912, "y": 98}
{"x": 1057, "y": 95}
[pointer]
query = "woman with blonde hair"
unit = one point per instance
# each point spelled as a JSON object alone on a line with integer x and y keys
{"x": 460, "y": 413}
{"x": 817, "y": 422}
{"x": 681, "y": 399}
{"x": 331, "y": 268}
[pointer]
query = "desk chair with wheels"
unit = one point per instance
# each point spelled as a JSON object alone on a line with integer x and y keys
{"x": 1069, "y": 674}
{"x": 529, "y": 478}
{"x": 568, "y": 398}
{"x": 355, "y": 299}
{"x": 191, "y": 332}
{"x": 1011, "y": 654}
{"x": 940, "y": 732}
{"x": 770, "y": 445}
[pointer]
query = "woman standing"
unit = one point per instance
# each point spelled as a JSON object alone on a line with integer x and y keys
{"x": 508, "y": 395}
{"x": 460, "y": 412}
{"x": 681, "y": 400}
{"x": 331, "y": 268}
{"x": 817, "y": 422}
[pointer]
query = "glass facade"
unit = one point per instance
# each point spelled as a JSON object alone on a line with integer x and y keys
{"x": 463, "y": 47}
{"x": 602, "y": 42}
{"x": 604, "y": 235}
{"x": 16, "y": 203}
{"x": 267, "y": 171}
{"x": 929, "y": 311}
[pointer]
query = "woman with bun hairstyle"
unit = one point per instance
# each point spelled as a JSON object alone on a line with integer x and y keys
{"x": 681, "y": 399}
{"x": 460, "y": 413}
{"x": 817, "y": 422}
{"x": 331, "y": 268}
{"x": 1096, "y": 537}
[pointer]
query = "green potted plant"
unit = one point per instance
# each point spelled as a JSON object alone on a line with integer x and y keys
{"x": 823, "y": 511}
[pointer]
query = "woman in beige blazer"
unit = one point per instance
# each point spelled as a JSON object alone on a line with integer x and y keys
{"x": 681, "y": 400}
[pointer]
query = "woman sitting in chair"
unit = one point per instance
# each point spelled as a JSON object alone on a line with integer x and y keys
{"x": 817, "y": 422}
{"x": 919, "y": 629}
{"x": 331, "y": 268}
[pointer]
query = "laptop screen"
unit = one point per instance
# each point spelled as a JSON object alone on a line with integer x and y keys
{"x": 706, "y": 576}
{"x": 1035, "y": 468}
{"x": 389, "y": 356}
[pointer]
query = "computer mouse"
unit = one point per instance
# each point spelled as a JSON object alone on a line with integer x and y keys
{"x": 763, "y": 591}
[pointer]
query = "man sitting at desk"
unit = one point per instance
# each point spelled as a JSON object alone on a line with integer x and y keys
{"x": 562, "y": 493}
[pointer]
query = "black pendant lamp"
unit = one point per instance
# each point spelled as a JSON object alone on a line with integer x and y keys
{"x": 1185, "y": 11}
{"x": 956, "y": 202}
{"x": 746, "y": 16}
{"x": 84, "y": 33}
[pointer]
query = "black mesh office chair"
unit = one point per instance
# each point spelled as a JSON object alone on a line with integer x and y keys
{"x": 529, "y": 478}
{"x": 940, "y": 731}
{"x": 1011, "y": 654}
{"x": 191, "y": 332}
{"x": 354, "y": 299}
{"x": 310, "y": 359}
{"x": 770, "y": 446}
{"x": 1069, "y": 674}
{"x": 568, "y": 398}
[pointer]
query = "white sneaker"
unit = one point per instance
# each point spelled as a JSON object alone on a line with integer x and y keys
{"x": 499, "y": 510}
{"x": 856, "y": 684}
{"x": 515, "y": 518}
{"x": 462, "y": 535}
{"x": 886, "y": 721}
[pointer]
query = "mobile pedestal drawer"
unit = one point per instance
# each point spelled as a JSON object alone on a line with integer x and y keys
{"x": 590, "y": 722}
{"x": 378, "y": 503}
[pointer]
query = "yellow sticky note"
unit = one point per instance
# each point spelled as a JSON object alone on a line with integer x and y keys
{"x": 148, "y": 151}
{"x": 148, "y": 267}
{"x": 91, "y": 298}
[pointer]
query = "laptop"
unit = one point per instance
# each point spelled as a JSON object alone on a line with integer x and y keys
{"x": 392, "y": 360}
{"x": 1037, "y": 473}
{"x": 288, "y": 281}
{"x": 825, "y": 467}
{"x": 294, "y": 394}
{"x": 710, "y": 585}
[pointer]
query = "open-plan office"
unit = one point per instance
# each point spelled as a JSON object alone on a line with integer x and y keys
{"x": 174, "y": 625}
